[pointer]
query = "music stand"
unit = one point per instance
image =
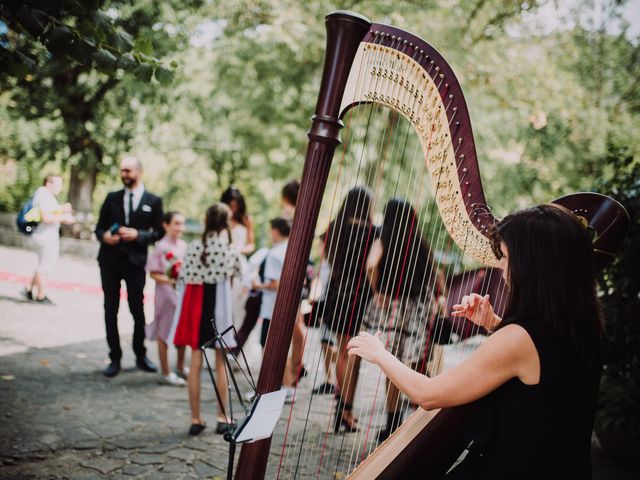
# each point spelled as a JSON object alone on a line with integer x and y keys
{"x": 262, "y": 412}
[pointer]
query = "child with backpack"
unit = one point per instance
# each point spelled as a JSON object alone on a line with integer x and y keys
{"x": 45, "y": 234}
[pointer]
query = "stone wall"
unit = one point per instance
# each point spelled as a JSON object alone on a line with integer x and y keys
{"x": 10, "y": 236}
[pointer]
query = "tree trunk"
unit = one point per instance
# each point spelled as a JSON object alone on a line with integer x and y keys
{"x": 82, "y": 182}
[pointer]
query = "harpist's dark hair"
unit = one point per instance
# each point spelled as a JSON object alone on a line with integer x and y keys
{"x": 216, "y": 220}
{"x": 551, "y": 271}
{"x": 406, "y": 265}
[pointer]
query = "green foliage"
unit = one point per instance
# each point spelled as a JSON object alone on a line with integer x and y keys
{"x": 620, "y": 284}
{"x": 79, "y": 54}
{"x": 74, "y": 33}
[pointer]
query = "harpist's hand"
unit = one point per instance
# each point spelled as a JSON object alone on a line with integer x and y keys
{"x": 367, "y": 346}
{"x": 478, "y": 309}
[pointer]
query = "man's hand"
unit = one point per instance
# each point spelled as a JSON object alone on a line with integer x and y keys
{"x": 110, "y": 239}
{"x": 128, "y": 234}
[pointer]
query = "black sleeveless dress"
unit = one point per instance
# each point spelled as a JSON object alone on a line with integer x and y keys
{"x": 349, "y": 291}
{"x": 539, "y": 431}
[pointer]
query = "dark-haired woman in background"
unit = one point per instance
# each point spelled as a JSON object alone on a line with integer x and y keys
{"x": 289, "y": 198}
{"x": 348, "y": 240}
{"x": 405, "y": 282}
{"x": 209, "y": 265}
{"x": 240, "y": 224}
{"x": 243, "y": 240}
{"x": 534, "y": 382}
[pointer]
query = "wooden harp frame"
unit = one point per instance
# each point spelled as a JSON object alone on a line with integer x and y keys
{"x": 406, "y": 74}
{"x": 446, "y": 136}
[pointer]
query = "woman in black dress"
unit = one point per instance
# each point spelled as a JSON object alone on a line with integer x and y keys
{"x": 534, "y": 382}
{"x": 406, "y": 283}
{"x": 348, "y": 240}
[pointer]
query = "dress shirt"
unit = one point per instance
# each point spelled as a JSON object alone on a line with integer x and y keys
{"x": 137, "y": 196}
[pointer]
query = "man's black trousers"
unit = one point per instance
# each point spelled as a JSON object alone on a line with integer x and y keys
{"x": 112, "y": 273}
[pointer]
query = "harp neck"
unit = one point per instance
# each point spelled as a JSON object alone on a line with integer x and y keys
{"x": 345, "y": 30}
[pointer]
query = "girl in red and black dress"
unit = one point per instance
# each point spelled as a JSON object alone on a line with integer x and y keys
{"x": 209, "y": 266}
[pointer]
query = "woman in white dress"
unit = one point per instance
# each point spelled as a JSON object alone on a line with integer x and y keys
{"x": 241, "y": 227}
{"x": 242, "y": 239}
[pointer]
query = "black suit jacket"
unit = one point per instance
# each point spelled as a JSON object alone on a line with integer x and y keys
{"x": 147, "y": 219}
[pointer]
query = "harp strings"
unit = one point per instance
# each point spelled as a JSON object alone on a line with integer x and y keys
{"x": 381, "y": 152}
{"x": 428, "y": 286}
{"x": 339, "y": 191}
{"x": 392, "y": 313}
{"x": 437, "y": 239}
{"x": 405, "y": 260}
{"x": 383, "y": 149}
{"x": 399, "y": 143}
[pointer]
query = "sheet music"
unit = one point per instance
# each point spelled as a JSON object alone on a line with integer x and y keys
{"x": 263, "y": 418}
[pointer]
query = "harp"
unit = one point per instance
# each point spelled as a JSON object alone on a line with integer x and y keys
{"x": 384, "y": 69}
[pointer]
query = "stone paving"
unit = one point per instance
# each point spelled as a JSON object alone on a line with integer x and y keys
{"x": 60, "y": 418}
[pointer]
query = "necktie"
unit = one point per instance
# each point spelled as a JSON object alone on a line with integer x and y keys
{"x": 130, "y": 208}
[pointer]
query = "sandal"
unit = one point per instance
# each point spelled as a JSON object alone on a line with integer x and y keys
{"x": 340, "y": 421}
{"x": 197, "y": 428}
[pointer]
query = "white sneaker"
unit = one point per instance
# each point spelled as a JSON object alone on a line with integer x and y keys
{"x": 182, "y": 374}
{"x": 172, "y": 379}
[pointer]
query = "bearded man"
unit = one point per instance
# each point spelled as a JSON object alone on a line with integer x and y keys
{"x": 130, "y": 220}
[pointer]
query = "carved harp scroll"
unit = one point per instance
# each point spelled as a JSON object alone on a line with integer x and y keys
{"x": 412, "y": 78}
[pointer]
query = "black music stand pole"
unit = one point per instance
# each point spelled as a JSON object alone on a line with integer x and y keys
{"x": 261, "y": 415}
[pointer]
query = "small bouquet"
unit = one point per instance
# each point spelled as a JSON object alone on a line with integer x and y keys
{"x": 174, "y": 266}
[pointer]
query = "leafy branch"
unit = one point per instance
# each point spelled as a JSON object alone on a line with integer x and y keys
{"x": 77, "y": 33}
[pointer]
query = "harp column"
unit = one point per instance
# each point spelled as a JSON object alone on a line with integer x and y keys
{"x": 345, "y": 30}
